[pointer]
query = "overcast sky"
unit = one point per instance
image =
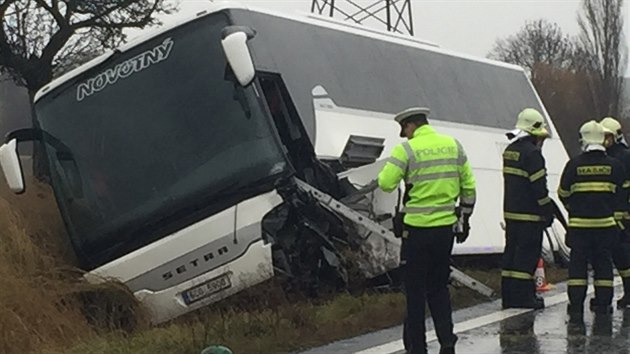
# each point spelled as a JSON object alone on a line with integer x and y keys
{"x": 468, "y": 26}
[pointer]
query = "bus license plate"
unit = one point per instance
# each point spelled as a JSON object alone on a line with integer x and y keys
{"x": 206, "y": 289}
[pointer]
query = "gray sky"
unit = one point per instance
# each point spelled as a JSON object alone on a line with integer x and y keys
{"x": 468, "y": 26}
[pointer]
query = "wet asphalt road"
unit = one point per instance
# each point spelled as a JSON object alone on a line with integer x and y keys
{"x": 549, "y": 331}
{"x": 486, "y": 329}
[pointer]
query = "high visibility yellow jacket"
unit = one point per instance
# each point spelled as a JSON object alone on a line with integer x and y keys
{"x": 435, "y": 168}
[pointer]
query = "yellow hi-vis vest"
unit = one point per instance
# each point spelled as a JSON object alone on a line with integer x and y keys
{"x": 438, "y": 171}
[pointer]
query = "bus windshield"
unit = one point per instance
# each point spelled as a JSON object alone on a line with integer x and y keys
{"x": 158, "y": 130}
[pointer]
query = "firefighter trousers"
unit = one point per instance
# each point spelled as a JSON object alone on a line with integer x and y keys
{"x": 426, "y": 274}
{"x": 523, "y": 244}
{"x": 592, "y": 246}
{"x": 621, "y": 259}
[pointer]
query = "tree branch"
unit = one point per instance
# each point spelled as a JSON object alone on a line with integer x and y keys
{"x": 54, "y": 11}
{"x": 56, "y": 43}
{"x": 94, "y": 20}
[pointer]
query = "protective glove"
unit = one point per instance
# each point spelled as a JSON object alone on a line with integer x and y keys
{"x": 466, "y": 230}
{"x": 461, "y": 229}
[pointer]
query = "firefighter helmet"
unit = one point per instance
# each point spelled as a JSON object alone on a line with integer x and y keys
{"x": 532, "y": 122}
{"x": 612, "y": 125}
{"x": 592, "y": 132}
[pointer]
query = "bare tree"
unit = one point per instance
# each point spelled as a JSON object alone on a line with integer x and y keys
{"x": 537, "y": 42}
{"x": 555, "y": 63}
{"x": 41, "y": 38}
{"x": 604, "y": 53}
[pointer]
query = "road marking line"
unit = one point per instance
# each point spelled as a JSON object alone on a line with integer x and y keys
{"x": 397, "y": 345}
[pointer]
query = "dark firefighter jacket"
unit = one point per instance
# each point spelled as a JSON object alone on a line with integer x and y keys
{"x": 591, "y": 188}
{"x": 622, "y": 153}
{"x": 526, "y": 197}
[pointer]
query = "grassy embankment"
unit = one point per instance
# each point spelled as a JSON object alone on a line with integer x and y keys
{"x": 47, "y": 308}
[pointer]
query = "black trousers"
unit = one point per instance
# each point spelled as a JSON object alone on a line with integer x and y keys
{"x": 621, "y": 259}
{"x": 523, "y": 244}
{"x": 427, "y": 270}
{"x": 592, "y": 246}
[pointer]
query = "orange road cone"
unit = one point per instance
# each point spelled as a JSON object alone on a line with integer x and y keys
{"x": 539, "y": 276}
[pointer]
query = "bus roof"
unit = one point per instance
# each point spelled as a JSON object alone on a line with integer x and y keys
{"x": 308, "y": 18}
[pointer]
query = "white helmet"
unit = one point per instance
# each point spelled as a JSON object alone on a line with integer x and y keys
{"x": 612, "y": 125}
{"x": 592, "y": 133}
{"x": 531, "y": 121}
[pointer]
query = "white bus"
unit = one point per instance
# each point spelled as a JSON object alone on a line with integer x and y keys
{"x": 169, "y": 157}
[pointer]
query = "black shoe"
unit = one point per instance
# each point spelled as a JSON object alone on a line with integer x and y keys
{"x": 416, "y": 352}
{"x": 624, "y": 302}
{"x": 576, "y": 324}
{"x": 447, "y": 350}
{"x": 535, "y": 304}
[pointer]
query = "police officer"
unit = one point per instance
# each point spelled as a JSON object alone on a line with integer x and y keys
{"x": 617, "y": 148}
{"x": 527, "y": 210}
{"x": 591, "y": 190}
{"x": 437, "y": 173}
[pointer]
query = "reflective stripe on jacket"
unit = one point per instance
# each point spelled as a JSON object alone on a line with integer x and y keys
{"x": 436, "y": 168}
{"x": 591, "y": 188}
{"x": 525, "y": 196}
{"x": 622, "y": 153}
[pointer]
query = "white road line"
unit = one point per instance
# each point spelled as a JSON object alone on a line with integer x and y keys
{"x": 396, "y": 346}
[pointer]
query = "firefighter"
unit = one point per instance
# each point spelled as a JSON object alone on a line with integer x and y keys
{"x": 616, "y": 147}
{"x": 527, "y": 210}
{"x": 437, "y": 173}
{"x": 591, "y": 188}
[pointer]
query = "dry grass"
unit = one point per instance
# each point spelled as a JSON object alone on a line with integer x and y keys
{"x": 287, "y": 328}
{"x": 43, "y": 296}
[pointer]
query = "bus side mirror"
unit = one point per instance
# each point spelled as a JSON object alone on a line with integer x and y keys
{"x": 10, "y": 162}
{"x": 234, "y": 43}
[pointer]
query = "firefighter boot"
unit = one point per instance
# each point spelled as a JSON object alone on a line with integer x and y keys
{"x": 524, "y": 296}
{"x": 447, "y": 350}
{"x": 593, "y": 304}
{"x": 576, "y": 312}
{"x": 599, "y": 308}
{"x": 624, "y": 302}
{"x": 539, "y": 299}
{"x": 506, "y": 291}
{"x": 602, "y": 309}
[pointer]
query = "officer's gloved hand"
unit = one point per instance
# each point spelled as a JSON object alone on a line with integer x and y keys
{"x": 462, "y": 227}
{"x": 466, "y": 232}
